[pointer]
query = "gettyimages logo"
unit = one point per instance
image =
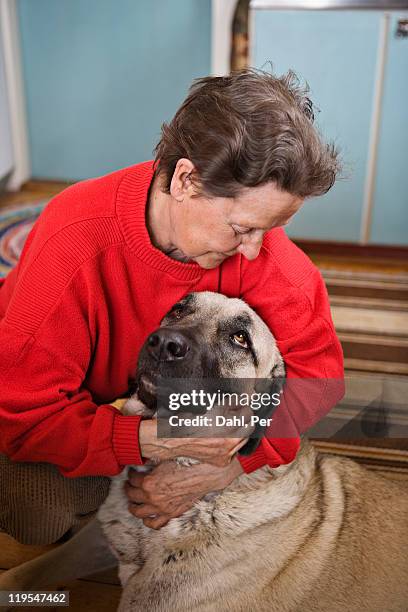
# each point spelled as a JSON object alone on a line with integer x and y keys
{"x": 198, "y": 398}
{"x": 217, "y": 407}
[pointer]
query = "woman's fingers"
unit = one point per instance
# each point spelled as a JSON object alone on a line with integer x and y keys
{"x": 143, "y": 510}
{"x": 136, "y": 494}
{"x": 238, "y": 446}
{"x": 157, "y": 522}
{"x": 135, "y": 478}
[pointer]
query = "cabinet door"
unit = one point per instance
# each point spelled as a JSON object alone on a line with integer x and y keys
{"x": 336, "y": 52}
{"x": 390, "y": 211}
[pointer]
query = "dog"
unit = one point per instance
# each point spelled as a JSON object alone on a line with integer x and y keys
{"x": 321, "y": 534}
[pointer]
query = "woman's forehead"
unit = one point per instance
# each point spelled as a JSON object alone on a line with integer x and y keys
{"x": 261, "y": 206}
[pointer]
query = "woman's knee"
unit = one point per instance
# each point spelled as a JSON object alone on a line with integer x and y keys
{"x": 39, "y": 506}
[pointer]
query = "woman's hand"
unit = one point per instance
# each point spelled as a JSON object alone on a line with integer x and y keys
{"x": 170, "y": 489}
{"x": 216, "y": 451}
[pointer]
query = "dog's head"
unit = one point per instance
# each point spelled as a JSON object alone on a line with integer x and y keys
{"x": 207, "y": 335}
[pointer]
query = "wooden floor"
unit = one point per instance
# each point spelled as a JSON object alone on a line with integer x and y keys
{"x": 99, "y": 593}
{"x": 369, "y": 300}
{"x": 31, "y": 191}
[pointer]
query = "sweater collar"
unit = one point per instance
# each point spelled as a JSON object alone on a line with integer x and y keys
{"x": 131, "y": 201}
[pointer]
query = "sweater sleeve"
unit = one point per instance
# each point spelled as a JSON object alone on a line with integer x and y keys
{"x": 46, "y": 412}
{"x": 291, "y": 297}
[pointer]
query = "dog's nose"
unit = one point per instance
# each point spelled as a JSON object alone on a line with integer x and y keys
{"x": 167, "y": 345}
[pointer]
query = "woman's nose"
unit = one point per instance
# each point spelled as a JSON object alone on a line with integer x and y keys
{"x": 250, "y": 246}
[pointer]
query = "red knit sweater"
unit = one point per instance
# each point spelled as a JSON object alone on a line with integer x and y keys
{"x": 87, "y": 291}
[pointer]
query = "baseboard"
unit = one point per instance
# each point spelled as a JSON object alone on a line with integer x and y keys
{"x": 351, "y": 249}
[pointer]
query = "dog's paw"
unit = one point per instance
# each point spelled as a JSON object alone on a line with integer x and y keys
{"x": 12, "y": 580}
{"x": 134, "y": 407}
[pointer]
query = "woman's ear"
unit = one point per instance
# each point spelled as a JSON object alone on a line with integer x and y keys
{"x": 181, "y": 182}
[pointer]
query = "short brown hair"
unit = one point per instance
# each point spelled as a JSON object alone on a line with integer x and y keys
{"x": 247, "y": 129}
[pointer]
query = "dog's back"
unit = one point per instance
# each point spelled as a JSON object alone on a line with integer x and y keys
{"x": 322, "y": 534}
{"x": 354, "y": 554}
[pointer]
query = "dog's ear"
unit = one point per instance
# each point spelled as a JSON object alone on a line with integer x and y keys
{"x": 249, "y": 447}
{"x": 132, "y": 386}
{"x": 277, "y": 376}
{"x": 273, "y": 386}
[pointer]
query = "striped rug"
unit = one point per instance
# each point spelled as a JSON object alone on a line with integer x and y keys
{"x": 16, "y": 222}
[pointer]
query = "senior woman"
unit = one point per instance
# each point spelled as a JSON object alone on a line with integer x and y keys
{"x": 108, "y": 258}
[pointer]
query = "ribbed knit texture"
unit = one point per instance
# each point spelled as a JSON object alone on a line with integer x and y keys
{"x": 62, "y": 255}
{"x": 88, "y": 290}
{"x": 123, "y": 445}
{"x": 133, "y": 190}
{"x": 38, "y": 505}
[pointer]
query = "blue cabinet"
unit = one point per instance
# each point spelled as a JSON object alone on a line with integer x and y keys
{"x": 390, "y": 210}
{"x": 337, "y": 53}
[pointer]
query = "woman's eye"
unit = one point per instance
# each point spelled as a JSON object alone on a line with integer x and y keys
{"x": 241, "y": 230}
{"x": 240, "y": 339}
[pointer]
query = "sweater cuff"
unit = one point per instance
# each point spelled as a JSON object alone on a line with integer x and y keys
{"x": 271, "y": 451}
{"x": 125, "y": 439}
{"x": 256, "y": 460}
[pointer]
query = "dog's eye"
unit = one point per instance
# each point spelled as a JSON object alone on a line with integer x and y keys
{"x": 177, "y": 313}
{"x": 240, "y": 338}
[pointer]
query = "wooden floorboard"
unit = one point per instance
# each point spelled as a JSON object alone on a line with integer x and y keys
{"x": 85, "y": 596}
{"x": 32, "y": 191}
{"x": 13, "y": 553}
{"x": 97, "y": 593}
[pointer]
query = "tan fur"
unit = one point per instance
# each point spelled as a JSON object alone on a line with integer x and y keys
{"x": 320, "y": 535}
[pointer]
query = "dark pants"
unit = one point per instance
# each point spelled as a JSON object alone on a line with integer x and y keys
{"x": 38, "y": 505}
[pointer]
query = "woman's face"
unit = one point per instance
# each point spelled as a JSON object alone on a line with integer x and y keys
{"x": 208, "y": 230}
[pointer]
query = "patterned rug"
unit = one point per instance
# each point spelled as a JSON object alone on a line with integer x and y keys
{"x": 15, "y": 224}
